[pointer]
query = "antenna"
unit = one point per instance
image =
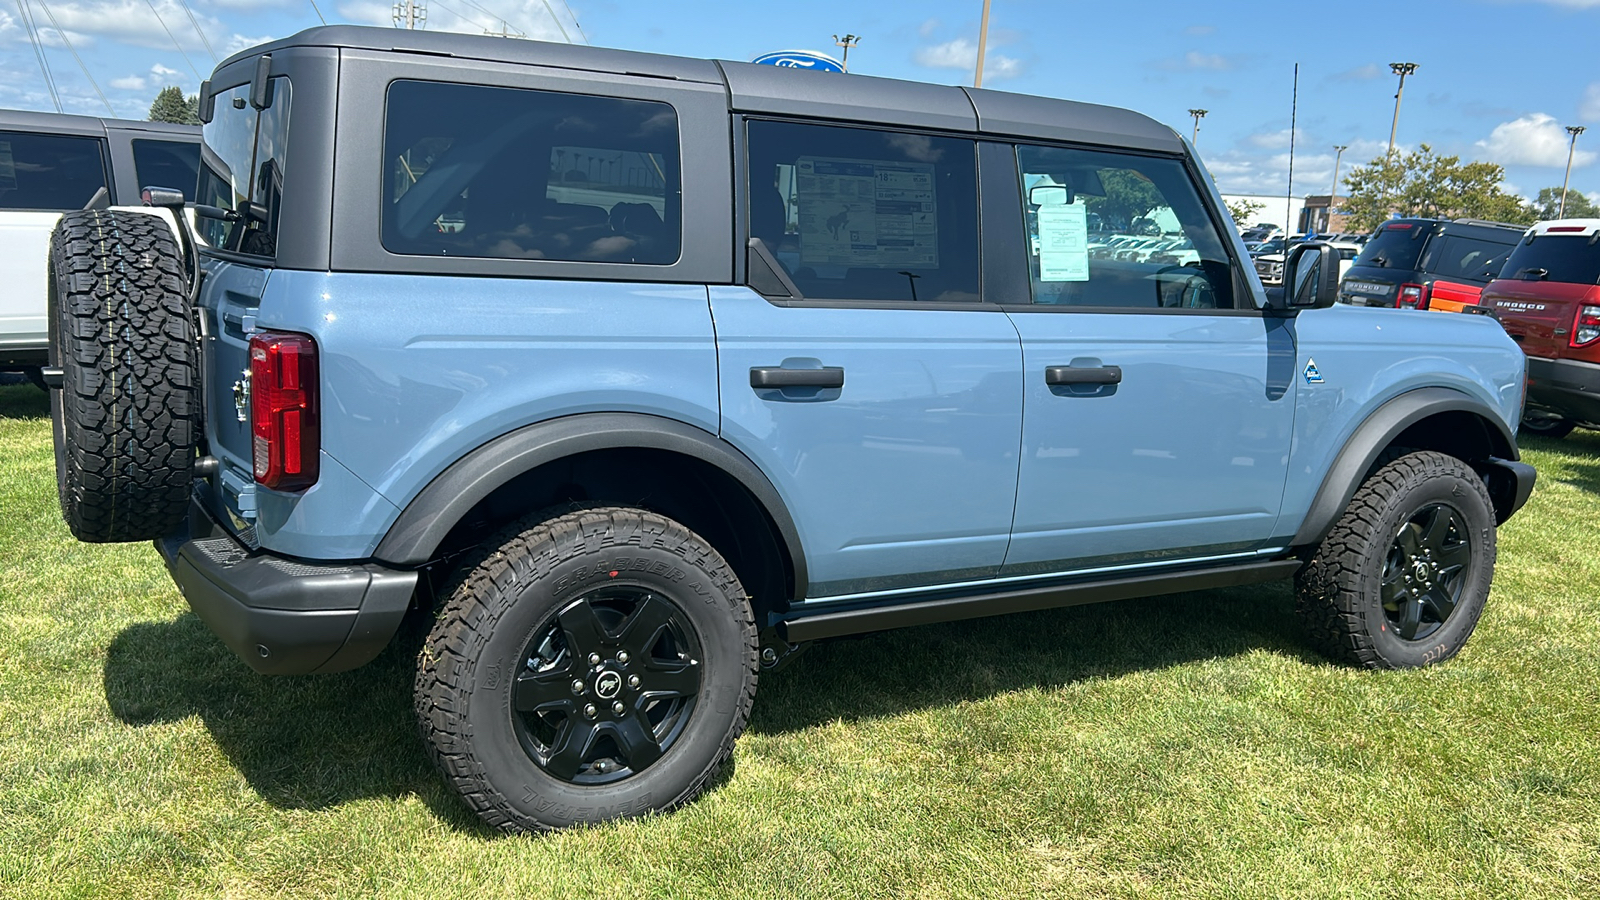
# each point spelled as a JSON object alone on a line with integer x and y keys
{"x": 1288, "y": 200}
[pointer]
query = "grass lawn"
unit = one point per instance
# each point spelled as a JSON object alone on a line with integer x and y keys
{"x": 1184, "y": 746}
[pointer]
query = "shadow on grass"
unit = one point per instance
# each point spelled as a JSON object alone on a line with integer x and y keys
{"x": 318, "y": 741}
{"x": 23, "y": 401}
{"x": 1578, "y": 458}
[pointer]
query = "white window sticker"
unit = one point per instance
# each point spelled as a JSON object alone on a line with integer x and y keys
{"x": 867, "y": 213}
{"x": 1063, "y": 242}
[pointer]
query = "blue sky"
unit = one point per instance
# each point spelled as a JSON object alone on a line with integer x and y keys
{"x": 1498, "y": 79}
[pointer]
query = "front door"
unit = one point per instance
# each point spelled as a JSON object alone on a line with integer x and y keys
{"x": 1159, "y": 402}
{"x": 885, "y": 402}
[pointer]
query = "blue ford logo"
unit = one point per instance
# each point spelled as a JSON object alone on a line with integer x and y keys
{"x": 800, "y": 59}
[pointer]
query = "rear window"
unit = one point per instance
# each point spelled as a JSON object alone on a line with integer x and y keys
{"x": 1570, "y": 259}
{"x": 522, "y": 174}
{"x": 49, "y": 172}
{"x": 1465, "y": 259}
{"x": 1395, "y": 246}
{"x": 168, "y": 164}
{"x": 242, "y": 169}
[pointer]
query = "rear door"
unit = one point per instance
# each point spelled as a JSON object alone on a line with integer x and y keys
{"x": 1158, "y": 400}
{"x": 876, "y": 389}
{"x": 1543, "y": 283}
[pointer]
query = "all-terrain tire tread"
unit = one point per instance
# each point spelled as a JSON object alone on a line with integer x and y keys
{"x": 522, "y": 553}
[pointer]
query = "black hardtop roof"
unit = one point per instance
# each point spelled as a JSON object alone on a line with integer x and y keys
{"x": 62, "y": 123}
{"x": 772, "y": 89}
{"x": 1501, "y": 231}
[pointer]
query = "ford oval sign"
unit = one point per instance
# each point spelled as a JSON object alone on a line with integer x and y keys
{"x": 800, "y": 59}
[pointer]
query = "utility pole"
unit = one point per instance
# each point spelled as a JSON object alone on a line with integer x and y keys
{"x": 1402, "y": 69}
{"x": 1198, "y": 115}
{"x": 1572, "y": 145}
{"x": 848, "y": 41}
{"x": 504, "y": 31}
{"x": 1333, "y": 192}
{"x": 411, "y": 14}
{"x": 983, "y": 43}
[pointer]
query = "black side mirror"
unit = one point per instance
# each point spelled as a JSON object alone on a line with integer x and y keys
{"x": 208, "y": 103}
{"x": 1311, "y": 276}
{"x": 261, "y": 84}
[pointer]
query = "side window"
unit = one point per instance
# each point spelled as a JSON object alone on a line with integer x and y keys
{"x": 241, "y": 169}
{"x": 861, "y": 214}
{"x": 1465, "y": 258}
{"x": 522, "y": 174}
{"x": 48, "y": 171}
{"x": 172, "y": 164}
{"x": 1109, "y": 229}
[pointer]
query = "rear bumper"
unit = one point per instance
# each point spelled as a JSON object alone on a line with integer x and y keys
{"x": 22, "y": 356}
{"x": 1565, "y": 386}
{"x": 281, "y": 616}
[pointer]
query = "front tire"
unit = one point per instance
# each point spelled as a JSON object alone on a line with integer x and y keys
{"x": 594, "y": 666}
{"x": 1402, "y": 578}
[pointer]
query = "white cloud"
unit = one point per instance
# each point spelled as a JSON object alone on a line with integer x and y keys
{"x": 1359, "y": 73}
{"x": 926, "y": 29}
{"x": 1536, "y": 139}
{"x": 1589, "y": 106}
{"x": 1274, "y": 140}
{"x": 1213, "y": 62}
{"x": 128, "y": 83}
{"x": 239, "y": 42}
{"x": 160, "y": 76}
{"x": 962, "y": 53}
{"x": 160, "y": 71}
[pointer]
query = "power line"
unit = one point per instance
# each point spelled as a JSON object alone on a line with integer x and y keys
{"x": 557, "y": 19}
{"x": 493, "y": 16}
{"x": 197, "y": 75}
{"x": 197, "y": 29}
{"x": 318, "y": 12}
{"x": 68, "y": 41}
{"x": 38, "y": 50}
{"x": 575, "y": 22}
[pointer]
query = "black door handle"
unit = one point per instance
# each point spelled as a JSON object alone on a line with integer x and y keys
{"x": 1082, "y": 375}
{"x": 779, "y": 377}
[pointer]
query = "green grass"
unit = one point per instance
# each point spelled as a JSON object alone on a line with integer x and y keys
{"x": 1178, "y": 746}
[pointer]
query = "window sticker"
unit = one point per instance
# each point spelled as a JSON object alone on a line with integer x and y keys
{"x": 867, "y": 213}
{"x": 1063, "y": 242}
{"x": 8, "y": 168}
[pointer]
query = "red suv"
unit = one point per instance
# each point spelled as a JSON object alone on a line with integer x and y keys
{"x": 1548, "y": 299}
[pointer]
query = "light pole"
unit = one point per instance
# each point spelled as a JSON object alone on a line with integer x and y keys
{"x": 848, "y": 41}
{"x": 983, "y": 42}
{"x": 1572, "y": 145}
{"x": 1198, "y": 115}
{"x": 1333, "y": 192}
{"x": 1402, "y": 69}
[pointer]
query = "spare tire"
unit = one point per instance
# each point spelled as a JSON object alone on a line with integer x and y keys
{"x": 127, "y": 417}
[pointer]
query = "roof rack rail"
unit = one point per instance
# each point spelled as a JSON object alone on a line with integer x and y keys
{"x": 1489, "y": 223}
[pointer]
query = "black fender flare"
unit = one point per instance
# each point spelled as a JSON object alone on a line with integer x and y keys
{"x": 428, "y": 518}
{"x": 1375, "y": 433}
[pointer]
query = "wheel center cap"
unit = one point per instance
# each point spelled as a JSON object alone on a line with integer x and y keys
{"x": 1420, "y": 568}
{"x": 608, "y": 685}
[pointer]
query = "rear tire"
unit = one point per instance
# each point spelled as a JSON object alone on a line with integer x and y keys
{"x": 595, "y": 666}
{"x": 127, "y": 418}
{"x": 1544, "y": 426}
{"x": 1402, "y": 578}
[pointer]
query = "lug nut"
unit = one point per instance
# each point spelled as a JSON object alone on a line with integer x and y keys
{"x": 769, "y": 655}
{"x": 577, "y": 686}
{"x": 633, "y": 681}
{"x": 622, "y": 657}
{"x": 617, "y": 707}
{"x": 594, "y": 659}
{"x": 589, "y": 710}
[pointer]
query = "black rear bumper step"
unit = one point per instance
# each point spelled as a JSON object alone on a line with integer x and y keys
{"x": 921, "y": 611}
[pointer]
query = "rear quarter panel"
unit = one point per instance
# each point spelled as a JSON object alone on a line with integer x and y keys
{"x": 1366, "y": 357}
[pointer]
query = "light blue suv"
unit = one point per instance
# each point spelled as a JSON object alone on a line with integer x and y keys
{"x": 633, "y": 374}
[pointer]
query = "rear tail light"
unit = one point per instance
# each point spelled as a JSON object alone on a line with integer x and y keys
{"x": 1412, "y": 296}
{"x": 1586, "y": 326}
{"x": 285, "y": 427}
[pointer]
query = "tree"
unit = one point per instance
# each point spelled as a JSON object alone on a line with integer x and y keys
{"x": 1128, "y": 196}
{"x": 1423, "y": 184}
{"x": 172, "y": 106}
{"x": 1242, "y": 212}
{"x": 1548, "y": 205}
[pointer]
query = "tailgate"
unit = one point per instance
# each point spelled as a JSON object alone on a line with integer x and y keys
{"x": 1451, "y": 296}
{"x": 1537, "y": 314}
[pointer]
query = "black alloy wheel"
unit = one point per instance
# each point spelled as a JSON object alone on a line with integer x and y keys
{"x": 608, "y": 685}
{"x": 1423, "y": 575}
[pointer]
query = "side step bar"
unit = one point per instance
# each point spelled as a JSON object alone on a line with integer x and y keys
{"x": 920, "y": 611}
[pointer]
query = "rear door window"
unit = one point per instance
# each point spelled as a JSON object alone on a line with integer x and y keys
{"x": 512, "y": 173}
{"x": 862, "y": 214}
{"x": 1398, "y": 246}
{"x": 1567, "y": 259}
{"x": 49, "y": 172}
{"x": 1118, "y": 230}
{"x": 169, "y": 164}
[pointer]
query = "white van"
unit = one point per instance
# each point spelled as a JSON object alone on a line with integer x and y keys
{"x": 51, "y": 163}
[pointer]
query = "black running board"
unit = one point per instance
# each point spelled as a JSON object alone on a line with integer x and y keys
{"x": 900, "y": 612}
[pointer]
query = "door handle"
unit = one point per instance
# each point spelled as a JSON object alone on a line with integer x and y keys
{"x": 1054, "y": 375}
{"x": 779, "y": 377}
